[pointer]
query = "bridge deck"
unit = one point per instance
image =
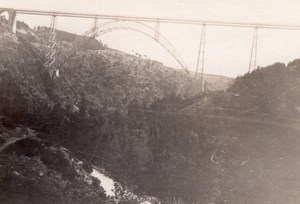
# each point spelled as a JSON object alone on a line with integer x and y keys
{"x": 156, "y": 19}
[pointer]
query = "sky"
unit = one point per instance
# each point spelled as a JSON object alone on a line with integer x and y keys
{"x": 227, "y": 49}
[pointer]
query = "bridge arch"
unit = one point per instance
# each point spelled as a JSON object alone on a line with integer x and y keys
{"x": 144, "y": 29}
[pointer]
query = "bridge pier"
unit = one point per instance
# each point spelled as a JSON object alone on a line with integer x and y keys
{"x": 95, "y": 28}
{"x": 51, "y": 64}
{"x": 252, "y": 64}
{"x": 12, "y": 19}
{"x": 200, "y": 60}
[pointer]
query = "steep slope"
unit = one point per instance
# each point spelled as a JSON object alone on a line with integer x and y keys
{"x": 117, "y": 111}
{"x": 34, "y": 171}
{"x": 273, "y": 89}
{"x": 238, "y": 146}
{"x": 104, "y": 77}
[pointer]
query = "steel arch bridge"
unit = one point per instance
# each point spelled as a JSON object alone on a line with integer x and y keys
{"x": 111, "y": 26}
{"x": 139, "y": 27}
{"x": 146, "y": 30}
{"x": 138, "y": 24}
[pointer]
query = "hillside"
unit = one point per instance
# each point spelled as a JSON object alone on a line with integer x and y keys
{"x": 34, "y": 171}
{"x": 89, "y": 99}
{"x": 147, "y": 125}
{"x": 273, "y": 89}
{"x": 234, "y": 146}
{"x": 99, "y": 73}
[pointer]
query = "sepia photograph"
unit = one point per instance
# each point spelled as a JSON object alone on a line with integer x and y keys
{"x": 149, "y": 102}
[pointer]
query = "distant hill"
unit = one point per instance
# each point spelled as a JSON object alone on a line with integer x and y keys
{"x": 274, "y": 89}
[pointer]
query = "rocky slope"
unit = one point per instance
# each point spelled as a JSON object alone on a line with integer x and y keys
{"x": 34, "y": 171}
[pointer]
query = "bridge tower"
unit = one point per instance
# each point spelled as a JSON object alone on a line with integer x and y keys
{"x": 50, "y": 64}
{"x": 201, "y": 54}
{"x": 95, "y": 28}
{"x": 12, "y": 19}
{"x": 252, "y": 63}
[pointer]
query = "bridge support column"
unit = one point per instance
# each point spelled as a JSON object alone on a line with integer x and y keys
{"x": 12, "y": 21}
{"x": 200, "y": 60}
{"x": 95, "y": 28}
{"x": 51, "y": 64}
{"x": 252, "y": 64}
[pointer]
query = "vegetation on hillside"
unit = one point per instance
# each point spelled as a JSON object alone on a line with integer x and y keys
{"x": 149, "y": 126}
{"x": 274, "y": 89}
